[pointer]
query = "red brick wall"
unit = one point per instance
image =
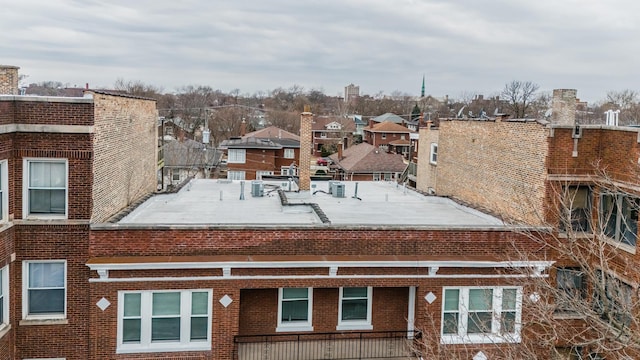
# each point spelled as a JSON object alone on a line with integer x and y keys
{"x": 76, "y": 112}
{"x": 7, "y": 112}
{"x": 45, "y": 242}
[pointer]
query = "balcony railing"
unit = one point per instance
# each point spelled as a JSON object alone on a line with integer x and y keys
{"x": 325, "y": 346}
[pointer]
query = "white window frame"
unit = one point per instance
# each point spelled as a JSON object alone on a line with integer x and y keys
{"x": 356, "y": 324}
{"x": 4, "y": 191}
{"x": 383, "y": 135}
{"x": 26, "y": 211}
{"x": 237, "y": 156}
{"x": 289, "y": 153}
{"x": 25, "y": 292}
{"x": 463, "y": 312}
{"x": 146, "y": 307}
{"x": 376, "y": 176}
{"x": 433, "y": 154}
{"x": 236, "y": 175}
{"x": 297, "y": 325}
{"x": 4, "y": 297}
{"x": 261, "y": 173}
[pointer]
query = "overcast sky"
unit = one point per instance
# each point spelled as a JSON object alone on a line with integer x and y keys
{"x": 461, "y": 46}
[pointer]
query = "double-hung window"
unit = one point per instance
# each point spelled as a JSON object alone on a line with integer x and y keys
{"x": 433, "y": 155}
{"x": 4, "y": 297}
{"x": 44, "y": 289}
{"x": 354, "y": 308}
{"x": 619, "y": 217}
{"x": 571, "y": 289}
{"x": 237, "y": 156}
{"x": 576, "y": 209}
{"x": 289, "y": 153}
{"x": 45, "y": 187}
{"x": 613, "y": 300}
{"x": 4, "y": 196}
{"x": 481, "y": 315}
{"x": 172, "y": 320}
{"x": 295, "y": 309}
{"x": 236, "y": 175}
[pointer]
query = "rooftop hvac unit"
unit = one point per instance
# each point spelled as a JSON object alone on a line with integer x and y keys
{"x": 257, "y": 188}
{"x": 331, "y": 184}
{"x": 338, "y": 190}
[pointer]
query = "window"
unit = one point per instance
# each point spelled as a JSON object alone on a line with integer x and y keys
{"x": 571, "y": 288}
{"x": 164, "y": 320}
{"x": 388, "y": 176}
{"x": 383, "y": 135}
{"x": 288, "y": 170}
{"x": 577, "y": 209}
{"x": 433, "y": 156}
{"x": 376, "y": 176}
{"x": 289, "y": 153}
{"x": 481, "y": 315}
{"x": 354, "y": 308}
{"x": 613, "y": 300}
{"x": 402, "y": 136}
{"x": 323, "y": 134}
{"x": 46, "y": 187}
{"x": 294, "y": 309}
{"x": 237, "y": 156}
{"x": 4, "y": 297}
{"x": 235, "y": 175}
{"x": 619, "y": 216}
{"x": 176, "y": 176}
{"x": 4, "y": 196}
{"x": 44, "y": 289}
{"x": 259, "y": 174}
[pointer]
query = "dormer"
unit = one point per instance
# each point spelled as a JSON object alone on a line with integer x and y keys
{"x": 334, "y": 125}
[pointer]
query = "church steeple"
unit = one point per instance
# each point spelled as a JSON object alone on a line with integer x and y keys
{"x": 422, "y": 92}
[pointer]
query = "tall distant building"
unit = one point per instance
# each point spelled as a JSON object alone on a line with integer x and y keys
{"x": 422, "y": 92}
{"x": 351, "y": 92}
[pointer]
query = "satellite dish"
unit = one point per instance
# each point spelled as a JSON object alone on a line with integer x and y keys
{"x": 460, "y": 112}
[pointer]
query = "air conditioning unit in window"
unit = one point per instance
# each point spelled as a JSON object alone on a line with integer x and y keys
{"x": 338, "y": 190}
{"x": 257, "y": 188}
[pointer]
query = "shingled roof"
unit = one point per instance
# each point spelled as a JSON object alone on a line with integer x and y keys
{"x": 366, "y": 158}
{"x": 388, "y": 127}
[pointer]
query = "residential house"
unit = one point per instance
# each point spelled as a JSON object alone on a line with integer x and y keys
{"x": 329, "y": 132}
{"x": 269, "y": 151}
{"x": 390, "y": 117}
{"x": 187, "y": 159}
{"x": 389, "y": 136}
{"x": 367, "y": 162}
{"x": 579, "y": 180}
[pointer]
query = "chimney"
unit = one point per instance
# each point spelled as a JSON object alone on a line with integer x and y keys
{"x": 371, "y": 123}
{"x": 563, "y": 107}
{"x": 243, "y": 128}
{"x": 9, "y": 80}
{"x": 304, "y": 175}
{"x": 340, "y": 146}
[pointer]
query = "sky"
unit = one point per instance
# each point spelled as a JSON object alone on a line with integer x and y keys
{"x": 462, "y": 47}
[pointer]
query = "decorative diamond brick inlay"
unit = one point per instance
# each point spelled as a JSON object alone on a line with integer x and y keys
{"x": 103, "y": 304}
{"x": 226, "y": 300}
{"x": 480, "y": 356}
{"x": 430, "y": 297}
{"x": 534, "y": 297}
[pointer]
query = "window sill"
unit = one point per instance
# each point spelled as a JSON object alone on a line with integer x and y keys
{"x": 355, "y": 326}
{"x": 568, "y": 315}
{"x": 290, "y": 328}
{"x": 618, "y": 245}
{"x": 480, "y": 339}
{"x": 5, "y": 330}
{"x": 29, "y": 322}
{"x": 131, "y": 348}
{"x": 575, "y": 234}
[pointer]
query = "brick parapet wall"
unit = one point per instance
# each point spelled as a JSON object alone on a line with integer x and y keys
{"x": 498, "y": 165}
{"x": 125, "y": 153}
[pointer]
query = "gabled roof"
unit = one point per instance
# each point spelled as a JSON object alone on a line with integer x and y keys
{"x": 366, "y": 158}
{"x": 320, "y": 123}
{"x": 388, "y": 127}
{"x": 389, "y": 117}
{"x": 253, "y": 143}
{"x": 273, "y": 133}
{"x": 188, "y": 153}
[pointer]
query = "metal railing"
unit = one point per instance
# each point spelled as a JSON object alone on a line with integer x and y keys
{"x": 325, "y": 346}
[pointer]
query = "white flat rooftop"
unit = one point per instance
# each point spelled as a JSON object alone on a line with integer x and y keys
{"x": 212, "y": 202}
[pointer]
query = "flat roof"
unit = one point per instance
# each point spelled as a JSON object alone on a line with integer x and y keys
{"x": 379, "y": 203}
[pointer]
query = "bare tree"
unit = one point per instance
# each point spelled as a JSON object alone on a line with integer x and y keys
{"x": 519, "y": 95}
{"x": 137, "y": 88}
{"x": 627, "y": 102}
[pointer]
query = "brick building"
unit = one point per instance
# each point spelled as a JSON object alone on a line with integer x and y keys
{"x": 64, "y": 164}
{"x": 579, "y": 180}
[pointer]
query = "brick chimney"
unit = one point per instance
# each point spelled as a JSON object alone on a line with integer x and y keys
{"x": 243, "y": 128}
{"x": 563, "y": 107}
{"x": 340, "y": 148}
{"x": 304, "y": 175}
{"x": 9, "y": 80}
